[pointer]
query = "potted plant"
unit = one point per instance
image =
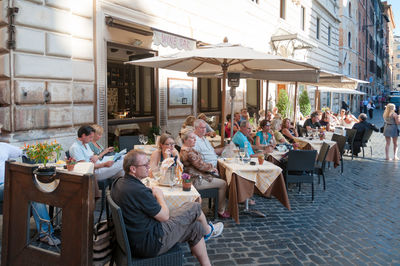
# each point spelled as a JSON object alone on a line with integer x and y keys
{"x": 304, "y": 102}
{"x": 43, "y": 153}
{"x": 71, "y": 163}
{"x": 186, "y": 182}
{"x": 283, "y": 103}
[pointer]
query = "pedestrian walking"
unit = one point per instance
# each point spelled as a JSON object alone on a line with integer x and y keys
{"x": 365, "y": 103}
{"x": 371, "y": 107}
{"x": 391, "y": 130}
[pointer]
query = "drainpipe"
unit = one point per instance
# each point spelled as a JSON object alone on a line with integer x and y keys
{"x": 11, "y": 11}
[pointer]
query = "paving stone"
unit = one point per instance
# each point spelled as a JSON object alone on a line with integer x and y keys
{"x": 353, "y": 222}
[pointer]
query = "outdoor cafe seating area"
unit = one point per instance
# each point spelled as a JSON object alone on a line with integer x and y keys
{"x": 309, "y": 157}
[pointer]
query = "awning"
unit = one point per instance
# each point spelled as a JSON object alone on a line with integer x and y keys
{"x": 338, "y": 90}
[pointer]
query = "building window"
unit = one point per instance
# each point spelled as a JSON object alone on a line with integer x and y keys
{"x": 349, "y": 9}
{"x": 397, "y": 65}
{"x": 209, "y": 95}
{"x": 318, "y": 28}
{"x": 255, "y": 1}
{"x": 303, "y": 17}
{"x": 359, "y": 21}
{"x": 398, "y": 76}
{"x": 398, "y": 47}
{"x": 329, "y": 35}
{"x": 349, "y": 70}
{"x": 349, "y": 40}
{"x": 283, "y": 9}
{"x": 398, "y": 56}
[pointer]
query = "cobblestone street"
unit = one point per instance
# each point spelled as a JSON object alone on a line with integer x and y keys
{"x": 353, "y": 222}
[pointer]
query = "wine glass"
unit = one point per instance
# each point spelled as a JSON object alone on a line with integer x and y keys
{"x": 242, "y": 153}
{"x": 145, "y": 140}
{"x": 141, "y": 138}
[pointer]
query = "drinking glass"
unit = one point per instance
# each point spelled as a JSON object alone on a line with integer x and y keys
{"x": 141, "y": 138}
{"x": 145, "y": 140}
{"x": 242, "y": 153}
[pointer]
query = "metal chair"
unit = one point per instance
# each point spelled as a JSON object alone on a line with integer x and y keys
{"x": 350, "y": 135}
{"x": 364, "y": 141}
{"x": 320, "y": 165}
{"x": 300, "y": 168}
{"x": 210, "y": 193}
{"x": 122, "y": 251}
{"x": 341, "y": 142}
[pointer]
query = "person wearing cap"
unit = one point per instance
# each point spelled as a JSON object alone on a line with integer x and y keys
{"x": 265, "y": 136}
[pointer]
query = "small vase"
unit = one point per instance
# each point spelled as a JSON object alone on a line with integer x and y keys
{"x": 186, "y": 185}
{"x": 70, "y": 167}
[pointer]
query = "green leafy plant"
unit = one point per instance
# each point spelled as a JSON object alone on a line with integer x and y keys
{"x": 154, "y": 131}
{"x": 283, "y": 103}
{"x": 43, "y": 152}
{"x": 304, "y": 102}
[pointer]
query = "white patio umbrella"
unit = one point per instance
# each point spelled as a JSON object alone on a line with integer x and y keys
{"x": 221, "y": 59}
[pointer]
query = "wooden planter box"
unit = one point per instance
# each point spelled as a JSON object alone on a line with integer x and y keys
{"x": 74, "y": 195}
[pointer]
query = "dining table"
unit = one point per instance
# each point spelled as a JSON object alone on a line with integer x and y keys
{"x": 174, "y": 196}
{"x": 244, "y": 179}
{"x": 306, "y": 143}
{"x": 147, "y": 149}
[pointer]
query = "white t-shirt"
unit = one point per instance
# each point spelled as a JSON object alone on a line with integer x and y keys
{"x": 7, "y": 151}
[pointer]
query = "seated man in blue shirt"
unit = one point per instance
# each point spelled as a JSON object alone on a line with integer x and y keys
{"x": 241, "y": 138}
{"x": 81, "y": 152}
{"x": 151, "y": 228}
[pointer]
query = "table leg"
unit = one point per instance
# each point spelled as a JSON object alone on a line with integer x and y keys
{"x": 252, "y": 212}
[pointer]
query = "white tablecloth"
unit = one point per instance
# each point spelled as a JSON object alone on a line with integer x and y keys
{"x": 262, "y": 175}
{"x": 148, "y": 149}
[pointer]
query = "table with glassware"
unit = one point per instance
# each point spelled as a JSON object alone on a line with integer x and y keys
{"x": 174, "y": 196}
{"x": 148, "y": 149}
{"x": 243, "y": 178}
{"x": 333, "y": 155}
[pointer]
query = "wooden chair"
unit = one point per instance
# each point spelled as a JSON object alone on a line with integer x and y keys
{"x": 300, "y": 168}
{"x": 122, "y": 251}
{"x": 320, "y": 165}
{"x": 341, "y": 142}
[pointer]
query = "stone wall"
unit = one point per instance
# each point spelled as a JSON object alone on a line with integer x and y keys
{"x": 48, "y": 88}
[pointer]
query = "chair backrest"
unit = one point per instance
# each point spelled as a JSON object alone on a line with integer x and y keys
{"x": 299, "y": 160}
{"x": 367, "y": 135}
{"x": 302, "y": 132}
{"x": 350, "y": 135}
{"x": 323, "y": 152}
{"x": 128, "y": 142}
{"x": 120, "y": 230}
{"x": 340, "y": 141}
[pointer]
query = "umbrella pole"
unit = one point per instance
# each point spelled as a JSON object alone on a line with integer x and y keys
{"x": 224, "y": 66}
{"x": 232, "y": 103}
{"x": 316, "y": 96}
{"x": 295, "y": 103}
{"x": 267, "y": 97}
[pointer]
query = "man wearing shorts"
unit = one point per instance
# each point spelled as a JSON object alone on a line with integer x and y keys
{"x": 152, "y": 230}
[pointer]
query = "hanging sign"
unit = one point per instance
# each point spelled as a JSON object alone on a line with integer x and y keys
{"x": 165, "y": 39}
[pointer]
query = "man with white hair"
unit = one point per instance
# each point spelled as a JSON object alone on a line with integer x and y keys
{"x": 203, "y": 146}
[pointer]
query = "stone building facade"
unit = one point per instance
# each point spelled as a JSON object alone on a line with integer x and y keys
{"x": 57, "y": 74}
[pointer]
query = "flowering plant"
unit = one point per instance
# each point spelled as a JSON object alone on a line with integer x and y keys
{"x": 185, "y": 176}
{"x": 71, "y": 161}
{"x": 43, "y": 152}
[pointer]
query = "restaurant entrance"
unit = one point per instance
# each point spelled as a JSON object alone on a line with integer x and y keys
{"x": 131, "y": 93}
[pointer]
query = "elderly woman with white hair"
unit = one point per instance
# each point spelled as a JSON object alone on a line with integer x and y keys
{"x": 205, "y": 175}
